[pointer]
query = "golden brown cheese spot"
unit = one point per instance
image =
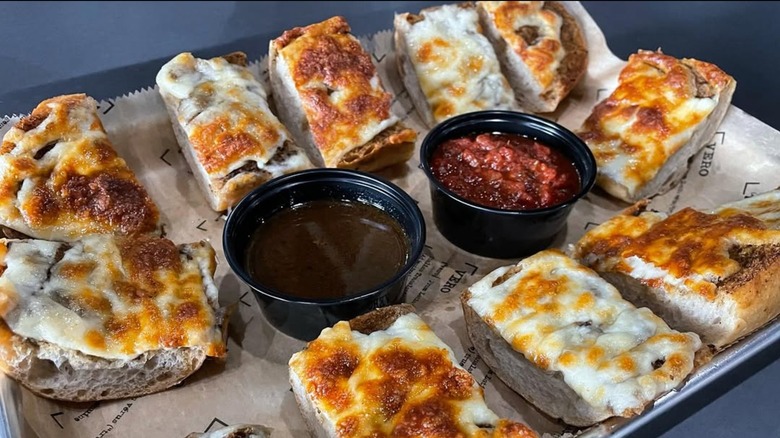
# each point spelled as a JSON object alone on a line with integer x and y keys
{"x": 348, "y": 427}
{"x": 585, "y": 301}
{"x": 131, "y": 293}
{"x": 511, "y": 429}
{"x": 674, "y": 338}
{"x": 523, "y": 342}
{"x": 567, "y": 359}
{"x": 117, "y": 202}
{"x": 42, "y": 208}
{"x": 690, "y": 242}
{"x": 626, "y": 363}
{"x": 531, "y": 294}
{"x": 429, "y": 418}
{"x": 100, "y": 152}
{"x": 473, "y": 66}
{"x": 456, "y": 90}
{"x": 387, "y": 394}
{"x": 456, "y": 384}
{"x": 144, "y": 256}
{"x": 541, "y": 361}
{"x": 95, "y": 339}
{"x": 430, "y": 51}
{"x": 123, "y": 331}
{"x": 443, "y": 109}
{"x": 190, "y": 316}
{"x": 675, "y": 364}
{"x": 328, "y": 370}
{"x": 228, "y": 138}
{"x": 93, "y": 302}
{"x": 594, "y": 356}
{"x": 77, "y": 271}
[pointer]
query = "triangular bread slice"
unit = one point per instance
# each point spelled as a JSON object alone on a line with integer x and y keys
{"x": 60, "y": 177}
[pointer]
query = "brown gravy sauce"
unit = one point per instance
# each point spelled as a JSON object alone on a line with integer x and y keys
{"x": 327, "y": 249}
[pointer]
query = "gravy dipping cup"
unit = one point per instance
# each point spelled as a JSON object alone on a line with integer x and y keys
{"x": 493, "y": 232}
{"x": 304, "y": 318}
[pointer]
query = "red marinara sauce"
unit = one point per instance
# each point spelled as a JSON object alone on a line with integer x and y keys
{"x": 505, "y": 171}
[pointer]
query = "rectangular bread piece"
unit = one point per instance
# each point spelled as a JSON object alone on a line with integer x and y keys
{"x": 563, "y": 338}
{"x": 715, "y": 274}
{"x": 387, "y": 374}
{"x": 61, "y": 179}
{"x": 107, "y": 317}
{"x": 228, "y": 134}
{"x": 331, "y": 98}
{"x": 663, "y": 111}
{"x": 541, "y": 49}
{"x": 448, "y": 65}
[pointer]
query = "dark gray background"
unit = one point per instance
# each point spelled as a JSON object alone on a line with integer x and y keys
{"x": 109, "y": 48}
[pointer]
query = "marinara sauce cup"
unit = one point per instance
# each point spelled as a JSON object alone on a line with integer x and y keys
{"x": 494, "y": 232}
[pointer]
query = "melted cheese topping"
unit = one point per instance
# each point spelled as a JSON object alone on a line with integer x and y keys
{"x": 533, "y": 33}
{"x": 111, "y": 297}
{"x": 455, "y": 63}
{"x": 342, "y": 95}
{"x": 658, "y": 104}
{"x": 563, "y": 317}
{"x": 60, "y": 177}
{"x": 402, "y": 381}
{"x": 688, "y": 250}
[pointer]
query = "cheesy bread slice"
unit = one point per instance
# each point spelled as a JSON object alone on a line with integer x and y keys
{"x": 448, "y": 65}
{"x": 541, "y": 47}
{"x": 330, "y": 96}
{"x": 61, "y": 179}
{"x": 715, "y": 274}
{"x": 662, "y": 112}
{"x": 564, "y": 338}
{"x": 387, "y": 374}
{"x": 227, "y": 132}
{"x": 106, "y": 317}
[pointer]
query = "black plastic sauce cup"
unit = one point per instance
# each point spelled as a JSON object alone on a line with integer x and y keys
{"x": 304, "y": 318}
{"x": 492, "y": 232}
